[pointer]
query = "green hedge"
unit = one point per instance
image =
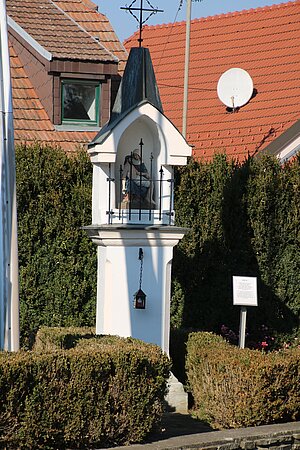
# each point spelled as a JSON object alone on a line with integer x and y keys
{"x": 237, "y": 388}
{"x": 109, "y": 392}
{"x": 243, "y": 220}
{"x": 57, "y": 259}
{"x": 63, "y": 338}
{"x": 49, "y": 339}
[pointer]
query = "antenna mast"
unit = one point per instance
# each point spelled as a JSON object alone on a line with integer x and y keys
{"x": 186, "y": 66}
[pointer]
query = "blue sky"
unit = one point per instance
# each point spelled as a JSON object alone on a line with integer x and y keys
{"x": 124, "y": 24}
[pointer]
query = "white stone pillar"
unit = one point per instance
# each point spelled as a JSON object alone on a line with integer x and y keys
{"x": 119, "y": 276}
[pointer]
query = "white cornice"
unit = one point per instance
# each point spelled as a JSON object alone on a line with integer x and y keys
{"x": 32, "y": 42}
{"x": 286, "y": 145}
{"x": 130, "y": 236}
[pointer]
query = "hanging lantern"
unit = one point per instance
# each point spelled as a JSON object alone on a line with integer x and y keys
{"x": 139, "y": 299}
{"x": 140, "y": 296}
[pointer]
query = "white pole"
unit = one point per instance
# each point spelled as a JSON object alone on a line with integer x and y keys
{"x": 10, "y": 277}
{"x": 186, "y": 65}
{"x": 243, "y": 318}
{"x": 3, "y": 297}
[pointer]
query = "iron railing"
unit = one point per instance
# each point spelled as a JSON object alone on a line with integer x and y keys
{"x": 156, "y": 206}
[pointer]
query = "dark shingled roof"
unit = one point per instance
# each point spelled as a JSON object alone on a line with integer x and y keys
{"x": 138, "y": 86}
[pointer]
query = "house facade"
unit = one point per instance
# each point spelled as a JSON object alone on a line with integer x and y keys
{"x": 265, "y": 43}
{"x": 66, "y": 65}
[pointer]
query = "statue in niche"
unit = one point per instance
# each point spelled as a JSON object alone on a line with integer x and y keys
{"x": 137, "y": 185}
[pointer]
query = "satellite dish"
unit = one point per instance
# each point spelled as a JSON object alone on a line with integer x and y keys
{"x": 235, "y": 88}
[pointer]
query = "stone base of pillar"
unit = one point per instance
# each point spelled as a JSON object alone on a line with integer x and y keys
{"x": 176, "y": 398}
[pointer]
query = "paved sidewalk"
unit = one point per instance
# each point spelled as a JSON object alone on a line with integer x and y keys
{"x": 181, "y": 432}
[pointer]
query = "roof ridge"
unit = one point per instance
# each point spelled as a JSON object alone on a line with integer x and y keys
{"x": 248, "y": 11}
{"x": 222, "y": 15}
{"x": 53, "y": 2}
{"x": 88, "y": 3}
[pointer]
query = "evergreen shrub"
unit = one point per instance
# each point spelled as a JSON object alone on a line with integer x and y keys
{"x": 238, "y": 388}
{"x": 105, "y": 394}
{"x": 57, "y": 260}
{"x": 243, "y": 220}
{"x": 178, "y": 349}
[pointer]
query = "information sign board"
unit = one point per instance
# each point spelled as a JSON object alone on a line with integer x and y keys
{"x": 245, "y": 291}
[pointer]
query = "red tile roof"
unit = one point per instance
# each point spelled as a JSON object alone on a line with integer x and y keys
{"x": 54, "y": 30}
{"x": 69, "y": 29}
{"x": 263, "y": 41}
{"x": 96, "y": 24}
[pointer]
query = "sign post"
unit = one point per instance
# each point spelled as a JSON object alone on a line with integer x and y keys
{"x": 244, "y": 294}
{"x": 243, "y": 319}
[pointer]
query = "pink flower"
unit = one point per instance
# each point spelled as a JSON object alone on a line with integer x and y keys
{"x": 264, "y": 344}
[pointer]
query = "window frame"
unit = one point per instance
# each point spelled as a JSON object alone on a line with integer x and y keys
{"x": 81, "y": 81}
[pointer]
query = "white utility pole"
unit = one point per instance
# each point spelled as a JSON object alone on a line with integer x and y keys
{"x": 186, "y": 65}
{"x": 9, "y": 271}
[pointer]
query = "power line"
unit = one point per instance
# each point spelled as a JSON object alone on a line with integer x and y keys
{"x": 170, "y": 32}
{"x": 190, "y": 87}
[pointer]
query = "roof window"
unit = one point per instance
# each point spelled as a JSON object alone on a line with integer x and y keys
{"x": 80, "y": 102}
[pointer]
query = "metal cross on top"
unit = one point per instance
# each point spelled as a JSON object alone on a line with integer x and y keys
{"x": 151, "y": 10}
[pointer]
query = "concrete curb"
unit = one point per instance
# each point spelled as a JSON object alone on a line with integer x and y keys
{"x": 276, "y": 437}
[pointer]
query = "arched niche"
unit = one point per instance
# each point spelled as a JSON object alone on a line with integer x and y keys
{"x": 153, "y": 148}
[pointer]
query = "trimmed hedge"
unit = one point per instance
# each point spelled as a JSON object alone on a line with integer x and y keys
{"x": 102, "y": 393}
{"x": 238, "y": 388}
{"x": 62, "y": 338}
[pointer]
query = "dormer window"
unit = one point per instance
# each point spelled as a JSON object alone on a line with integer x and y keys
{"x": 80, "y": 102}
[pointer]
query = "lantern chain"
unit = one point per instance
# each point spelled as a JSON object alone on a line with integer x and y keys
{"x": 141, "y": 257}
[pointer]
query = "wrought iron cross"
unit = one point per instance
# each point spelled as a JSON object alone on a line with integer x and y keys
{"x": 151, "y": 10}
